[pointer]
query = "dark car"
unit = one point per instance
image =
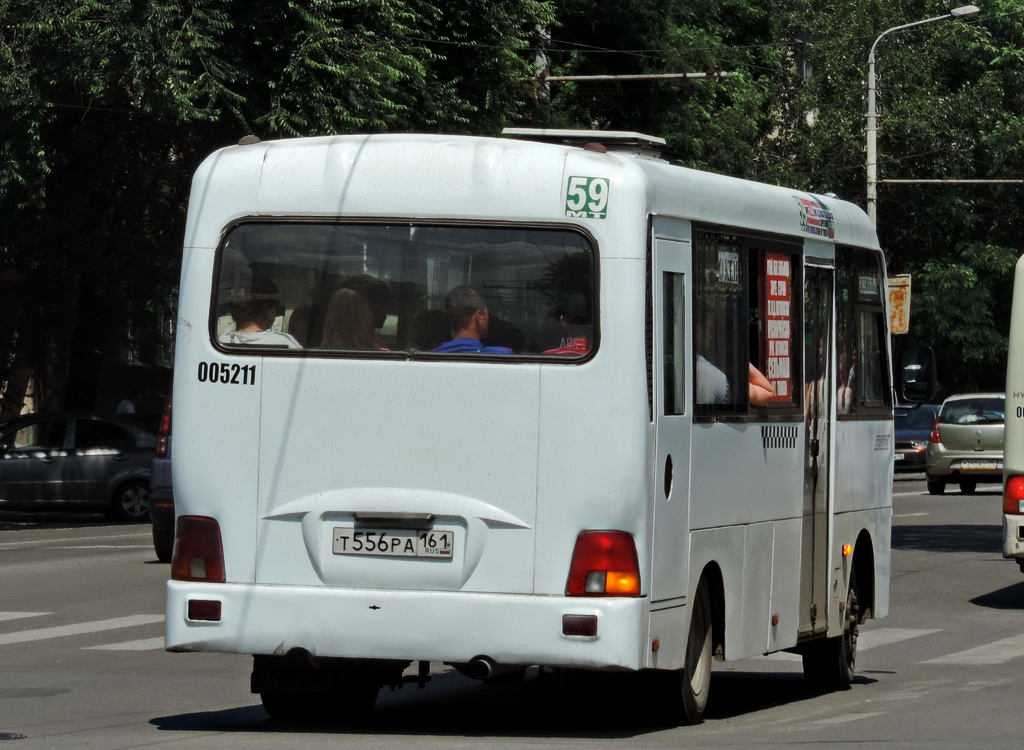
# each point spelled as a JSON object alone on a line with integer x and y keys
{"x": 913, "y": 426}
{"x": 76, "y": 461}
{"x": 161, "y": 501}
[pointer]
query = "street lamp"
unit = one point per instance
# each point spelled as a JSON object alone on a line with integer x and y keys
{"x": 872, "y": 118}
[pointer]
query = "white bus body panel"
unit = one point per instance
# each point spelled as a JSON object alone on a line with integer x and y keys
{"x": 1013, "y": 435}
{"x": 539, "y": 453}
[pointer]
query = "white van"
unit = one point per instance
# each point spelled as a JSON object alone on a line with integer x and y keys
{"x": 1013, "y": 431}
{"x": 501, "y": 402}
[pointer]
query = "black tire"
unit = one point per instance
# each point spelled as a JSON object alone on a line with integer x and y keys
{"x": 163, "y": 544}
{"x": 696, "y": 674}
{"x": 130, "y": 502}
{"x": 830, "y": 664}
{"x": 680, "y": 696}
{"x": 347, "y": 706}
{"x": 968, "y": 486}
{"x": 936, "y": 487}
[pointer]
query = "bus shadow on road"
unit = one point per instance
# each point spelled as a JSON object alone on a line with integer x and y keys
{"x": 607, "y": 707}
{"x": 950, "y": 538}
{"x": 1008, "y": 597}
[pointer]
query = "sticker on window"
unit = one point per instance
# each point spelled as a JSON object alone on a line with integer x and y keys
{"x": 587, "y": 197}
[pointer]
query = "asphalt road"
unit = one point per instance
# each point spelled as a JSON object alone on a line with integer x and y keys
{"x": 82, "y": 665}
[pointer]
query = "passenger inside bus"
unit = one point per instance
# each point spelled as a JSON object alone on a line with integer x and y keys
{"x": 376, "y": 294}
{"x": 711, "y": 384}
{"x": 574, "y": 317}
{"x": 469, "y": 320}
{"x": 348, "y": 323}
{"x": 759, "y": 387}
{"x": 254, "y": 310}
{"x": 306, "y": 324}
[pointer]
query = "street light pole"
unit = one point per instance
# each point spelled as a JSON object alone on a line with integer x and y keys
{"x": 872, "y": 116}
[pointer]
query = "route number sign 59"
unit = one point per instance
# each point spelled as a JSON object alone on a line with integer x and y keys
{"x": 587, "y": 197}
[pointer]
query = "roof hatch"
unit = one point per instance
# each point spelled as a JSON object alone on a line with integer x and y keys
{"x": 619, "y": 141}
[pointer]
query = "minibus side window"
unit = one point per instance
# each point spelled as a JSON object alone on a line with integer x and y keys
{"x": 674, "y": 350}
{"x": 860, "y": 345}
{"x": 304, "y": 288}
{"x": 743, "y": 319}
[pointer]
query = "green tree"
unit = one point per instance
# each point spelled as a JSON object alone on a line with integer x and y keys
{"x": 107, "y": 106}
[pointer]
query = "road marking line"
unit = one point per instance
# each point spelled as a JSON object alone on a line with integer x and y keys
{"x": 997, "y": 652}
{"x": 887, "y": 636}
{"x": 845, "y": 719}
{"x": 866, "y": 640}
{"x": 61, "y": 540}
{"x": 4, "y": 616}
{"x": 145, "y": 644}
{"x": 81, "y": 628}
{"x": 910, "y": 515}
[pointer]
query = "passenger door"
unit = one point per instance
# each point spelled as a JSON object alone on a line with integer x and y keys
{"x": 818, "y": 388}
{"x": 673, "y": 418}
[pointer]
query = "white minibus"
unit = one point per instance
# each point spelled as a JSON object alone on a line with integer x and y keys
{"x": 1013, "y": 431}
{"x": 540, "y": 400}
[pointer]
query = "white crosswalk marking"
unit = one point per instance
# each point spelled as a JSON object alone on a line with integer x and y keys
{"x": 867, "y": 639}
{"x": 4, "y": 616}
{"x": 887, "y": 636}
{"x": 80, "y": 628}
{"x": 145, "y": 644}
{"x": 997, "y": 652}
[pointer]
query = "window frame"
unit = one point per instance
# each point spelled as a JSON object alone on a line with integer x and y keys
{"x": 754, "y": 249}
{"x": 851, "y": 261}
{"x": 256, "y": 350}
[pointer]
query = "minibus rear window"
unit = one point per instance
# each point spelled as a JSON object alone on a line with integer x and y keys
{"x": 361, "y": 289}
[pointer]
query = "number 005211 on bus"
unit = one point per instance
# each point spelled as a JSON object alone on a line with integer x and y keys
{"x": 396, "y": 543}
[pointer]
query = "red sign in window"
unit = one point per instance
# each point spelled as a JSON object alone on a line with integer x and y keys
{"x": 778, "y": 330}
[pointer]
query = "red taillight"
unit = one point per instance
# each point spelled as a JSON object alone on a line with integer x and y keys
{"x": 935, "y": 437}
{"x": 1013, "y": 496}
{"x": 164, "y": 434}
{"x": 198, "y": 552}
{"x": 604, "y": 563}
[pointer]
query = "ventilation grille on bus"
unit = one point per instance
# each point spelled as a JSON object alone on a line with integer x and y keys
{"x": 778, "y": 436}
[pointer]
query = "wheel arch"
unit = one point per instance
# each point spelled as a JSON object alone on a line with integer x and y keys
{"x": 864, "y": 569}
{"x": 712, "y": 576}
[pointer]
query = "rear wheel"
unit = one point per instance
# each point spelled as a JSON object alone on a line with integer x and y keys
{"x": 130, "y": 502}
{"x": 936, "y": 487}
{"x": 696, "y": 677}
{"x": 830, "y": 664}
{"x": 968, "y": 486}
{"x": 681, "y": 695}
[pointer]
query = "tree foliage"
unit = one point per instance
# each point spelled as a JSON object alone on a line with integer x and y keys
{"x": 794, "y": 113}
{"x": 107, "y": 107}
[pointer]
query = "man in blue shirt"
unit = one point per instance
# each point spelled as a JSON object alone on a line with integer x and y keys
{"x": 470, "y": 320}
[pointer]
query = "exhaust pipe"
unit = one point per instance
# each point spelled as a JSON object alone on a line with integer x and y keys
{"x": 483, "y": 667}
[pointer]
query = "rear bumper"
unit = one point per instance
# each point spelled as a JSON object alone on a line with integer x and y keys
{"x": 1013, "y": 536}
{"x": 951, "y": 467}
{"x": 407, "y": 625}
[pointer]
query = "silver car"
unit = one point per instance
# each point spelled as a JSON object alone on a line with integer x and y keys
{"x": 78, "y": 462}
{"x": 966, "y": 444}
